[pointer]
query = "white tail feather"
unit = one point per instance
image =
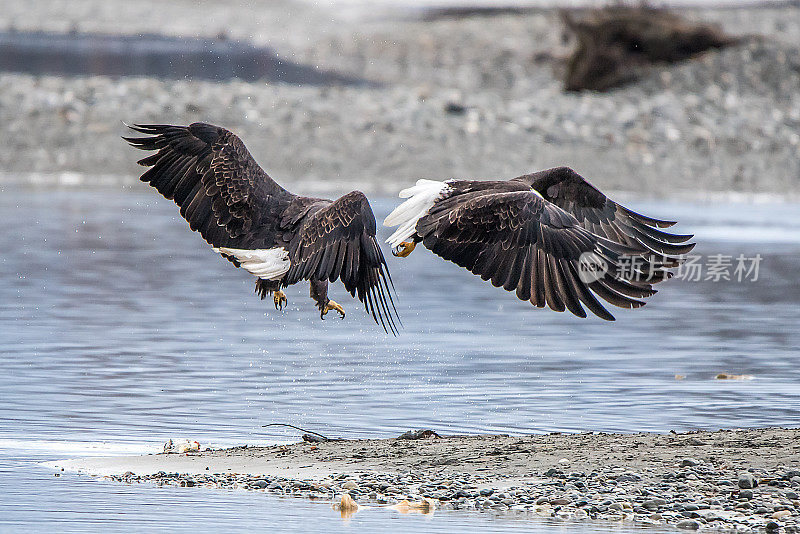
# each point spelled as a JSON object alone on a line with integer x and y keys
{"x": 268, "y": 264}
{"x": 420, "y": 199}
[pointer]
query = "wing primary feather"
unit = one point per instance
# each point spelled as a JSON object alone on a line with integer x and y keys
{"x": 568, "y": 293}
{"x": 584, "y": 294}
{"x": 524, "y": 287}
{"x": 649, "y": 221}
{"x": 382, "y": 279}
{"x": 613, "y": 297}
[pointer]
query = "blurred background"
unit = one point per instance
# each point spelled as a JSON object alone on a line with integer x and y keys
{"x": 120, "y": 329}
{"x": 347, "y": 93}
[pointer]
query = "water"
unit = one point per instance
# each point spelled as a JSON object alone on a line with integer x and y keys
{"x": 161, "y": 56}
{"x": 120, "y": 329}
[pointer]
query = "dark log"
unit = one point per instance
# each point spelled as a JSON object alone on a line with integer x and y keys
{"x": 614, "y": 44}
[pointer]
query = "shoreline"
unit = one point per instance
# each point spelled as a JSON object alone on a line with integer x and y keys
{"x": 743, "y": 480}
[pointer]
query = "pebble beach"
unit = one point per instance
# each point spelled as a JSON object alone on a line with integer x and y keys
{"x": 724, "y": 481}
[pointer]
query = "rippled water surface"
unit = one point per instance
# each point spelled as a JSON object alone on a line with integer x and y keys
{"x": 119, "y": 325}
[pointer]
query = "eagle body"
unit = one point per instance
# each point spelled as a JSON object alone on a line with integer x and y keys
{"x": 534, "y": 235}
{"x": 279, "y": 237}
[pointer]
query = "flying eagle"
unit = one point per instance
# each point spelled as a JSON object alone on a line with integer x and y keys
{"x": 550, "y": 236}
{"x": 256, "y": 224}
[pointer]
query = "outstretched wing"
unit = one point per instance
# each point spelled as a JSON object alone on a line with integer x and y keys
{"x": 602, "y": 216}
{"x": 337, "y": 241}
{"x": 527, "y": 245}
{"x": 221, "y": 190}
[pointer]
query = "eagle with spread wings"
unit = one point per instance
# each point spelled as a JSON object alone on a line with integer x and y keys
{"x": 256, "y": 224}
{"x": 550, "y": 236}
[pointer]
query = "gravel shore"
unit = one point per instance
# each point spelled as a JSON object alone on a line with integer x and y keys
{"x": 458, "y": 97}
{"x": 732, "y": 480}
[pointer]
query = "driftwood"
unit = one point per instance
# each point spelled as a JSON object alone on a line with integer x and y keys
{"x": 615, "y": 43}
{"x": 419, "y": 434}
{"x": 310, "y": 436}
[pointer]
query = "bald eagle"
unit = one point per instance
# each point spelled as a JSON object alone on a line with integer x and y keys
{"x": 550, "y": 236}
{"x": 257, "y": 225}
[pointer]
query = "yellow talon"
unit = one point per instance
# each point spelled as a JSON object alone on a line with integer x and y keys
{"x": 404, "y": 249}
{"x": 280, "y": 300}
{"x": 331, "y": 305}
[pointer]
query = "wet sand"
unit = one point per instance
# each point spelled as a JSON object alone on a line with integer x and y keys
{"x": 743, "y": 479}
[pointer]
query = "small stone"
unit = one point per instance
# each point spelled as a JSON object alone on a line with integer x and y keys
{"x": 747, "y": 481}
{"x": 455, "y": 108}
{"x": 652, "y": 504}
{"x": 350, "y": 485}
{"x": 746, "y": 494}
{"x": 560, "y": 502}
{"x": 689, "y": 462}
{"x": 792, "y": 496}
{"x": 772, "y": 526}
{"x": 688, "y": 524}
{"x": 564, "y": 461}
{"x": 486, "y": 492}
{"x": 781, "y": 514}
{"x": 259, "y": 483}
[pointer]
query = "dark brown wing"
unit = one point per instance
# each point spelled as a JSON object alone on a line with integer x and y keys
{"x": 602, "y": 216}
{"x": 527, "y": 245}
{"x": 337, "y": 241}
{"x": 221, "y": 190}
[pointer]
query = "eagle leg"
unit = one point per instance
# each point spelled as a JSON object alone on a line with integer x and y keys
{"x": 319, "y": 292}
{"x": 279, "y": 298}
{"x": 404, "y": 249}
{"x": 271, "y": 287}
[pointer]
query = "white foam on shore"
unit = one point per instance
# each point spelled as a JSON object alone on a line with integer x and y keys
{"x": 78, "y": 448}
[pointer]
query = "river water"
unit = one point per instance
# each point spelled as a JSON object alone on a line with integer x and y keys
{"x": 120, "y": 329}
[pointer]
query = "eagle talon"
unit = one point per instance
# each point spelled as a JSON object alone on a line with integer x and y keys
{"x": 404, "y": 249}
{"x": 280, "y": 300}
{"x": 331, "y": 305}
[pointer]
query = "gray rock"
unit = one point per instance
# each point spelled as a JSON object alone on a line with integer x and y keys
{"x": 747, "y": 481}
{"x": 653, "y": 504}
{"x": 688, "y": 524}
{"x": 689, "y": 462}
